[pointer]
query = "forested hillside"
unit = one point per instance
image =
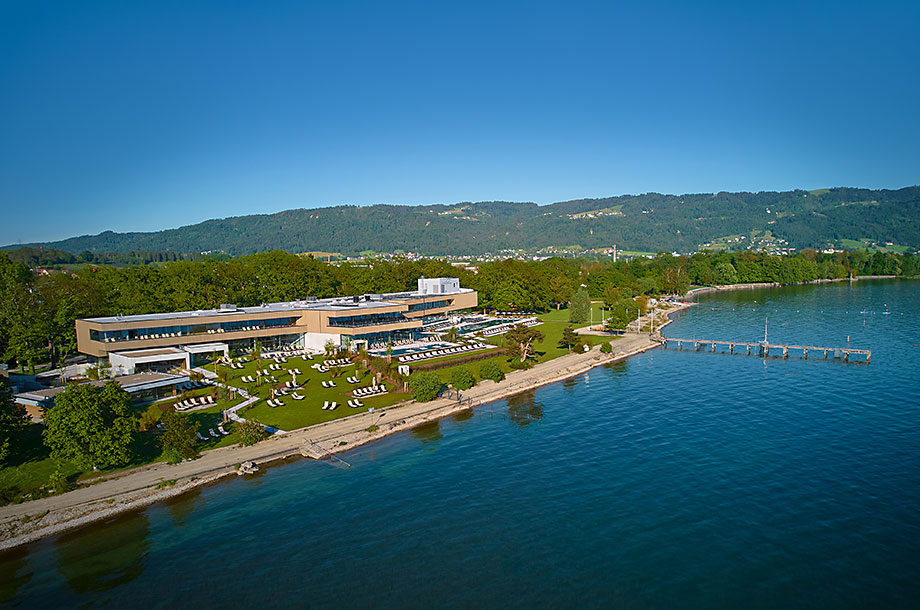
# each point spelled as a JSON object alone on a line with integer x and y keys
{"x": 37, "y": 311}
{"x": 652, "y": 222}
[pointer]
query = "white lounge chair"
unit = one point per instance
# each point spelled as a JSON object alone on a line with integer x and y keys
{"x": 222, "y": 431}
{"x": 214, "y": 434}
{"x": 200, "y": 437}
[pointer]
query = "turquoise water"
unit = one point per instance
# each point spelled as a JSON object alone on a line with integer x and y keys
{"x": 674, "y": 480}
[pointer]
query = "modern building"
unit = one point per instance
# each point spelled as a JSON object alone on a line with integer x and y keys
{"x": 165, "y": 340}
{"x": 142, "y": 386}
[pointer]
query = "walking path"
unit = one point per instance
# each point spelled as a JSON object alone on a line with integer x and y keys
{"x": 135, "y": 488}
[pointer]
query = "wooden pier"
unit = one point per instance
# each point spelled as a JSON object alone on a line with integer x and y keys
{"x": 767, "y": 350}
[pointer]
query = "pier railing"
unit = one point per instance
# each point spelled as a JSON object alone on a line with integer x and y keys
{"x": 763, "y": 349}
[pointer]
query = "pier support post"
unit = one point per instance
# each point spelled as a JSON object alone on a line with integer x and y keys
{"x": 766, "y": 351}
{"x": 805, "y": 353}
{"x": 846, "y": 356}
{"x": 748, "y": 349}
{"x": 713, "y": 347}
{"x": 731, "y": 348}
{"x": 785, "y": 352}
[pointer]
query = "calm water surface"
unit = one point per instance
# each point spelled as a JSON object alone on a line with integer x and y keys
{"x": 674, "y": 480}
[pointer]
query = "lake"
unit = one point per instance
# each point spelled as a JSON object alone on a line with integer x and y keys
{"x": 675, "y": 479}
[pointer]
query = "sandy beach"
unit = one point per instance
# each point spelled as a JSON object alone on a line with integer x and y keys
{"x": 139, "y": 487}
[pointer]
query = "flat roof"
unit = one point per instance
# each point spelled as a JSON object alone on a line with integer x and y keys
{"x": 144, "y": 353}
{"x": 127, "y": 382}
{"x": 364, "y": 302}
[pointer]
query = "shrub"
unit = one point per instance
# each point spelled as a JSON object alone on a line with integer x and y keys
{"x": 606, "y": 348}
{"x": 57, "y": 482}
{"x": 490, "y": 370}
{"x": 425, "y": 386}
{"x": 250, "y": 433}
{"x": 172, "y": 455}
{"x": 520, "y": 366}
{"x": 461, "y": 378}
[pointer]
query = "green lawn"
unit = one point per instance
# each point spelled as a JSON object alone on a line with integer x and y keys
{"x": 554, "y": 322}
{"x": 299, "y": 413}
{"x": 866, "y": 244}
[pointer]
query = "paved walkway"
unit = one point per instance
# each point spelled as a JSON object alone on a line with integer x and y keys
{"x": 334, "y": 436}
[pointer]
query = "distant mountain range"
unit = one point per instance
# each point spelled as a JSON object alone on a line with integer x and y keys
{"x": 650, "y": 222}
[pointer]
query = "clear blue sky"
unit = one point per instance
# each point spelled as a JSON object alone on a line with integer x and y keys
{"x": 148, "y": 115}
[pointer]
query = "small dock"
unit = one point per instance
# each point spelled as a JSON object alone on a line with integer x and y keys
{"x": 770, "y": 350}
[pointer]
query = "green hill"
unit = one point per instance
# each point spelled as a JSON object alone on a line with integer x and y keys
{"x": 634, "y": 222}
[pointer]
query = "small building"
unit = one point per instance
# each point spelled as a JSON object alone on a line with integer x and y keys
{"x": 141, "y": 386}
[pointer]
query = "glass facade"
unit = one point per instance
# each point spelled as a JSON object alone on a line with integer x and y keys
{"x": 430, "y": 305}
{"x": 161, "y": 332}
{"x": 374, "y": 319}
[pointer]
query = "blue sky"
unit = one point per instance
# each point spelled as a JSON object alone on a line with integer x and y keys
{"x": 136, "y": 116}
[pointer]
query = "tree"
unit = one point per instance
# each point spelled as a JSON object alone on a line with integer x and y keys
{"x": 611, "y": 295}
{"x": 520, "y": 341}
{"x": 490, "y": 370}
{"x": 560, "y": 290}
{"x": 461, "y": 378}
{"x": 606, "y": 347}
{"x": 250, "y": 432}
{"x": 91, "y": 426}
{"x": 622, "y": 313}
{"x": 580, "y": 307}
{"x": 12, "y": 418}
{"x": 425, "y": 386}
{"x": 179, "y": 438}
{"x": 389, "y": 352}
{"x": 569, "y": 338}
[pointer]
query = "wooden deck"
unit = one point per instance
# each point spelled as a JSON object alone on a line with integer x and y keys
{"x": 767, "y": 350}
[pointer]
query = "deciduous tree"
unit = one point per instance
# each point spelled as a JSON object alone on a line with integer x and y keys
{"x": 91, "y": 426}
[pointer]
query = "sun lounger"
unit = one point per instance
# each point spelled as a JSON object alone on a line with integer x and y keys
{"x": 214, "y": 434}
{"x": 358, "y": 403}
{"x": 222, "y": 431}
{"x": 325, "y": 404}
{"x": 297, "y": 396}
{"x": 200, "y": 437}
{"x": 333, "y": 406}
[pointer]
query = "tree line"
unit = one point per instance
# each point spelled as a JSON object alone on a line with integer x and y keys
{"x": 37, "y": 311}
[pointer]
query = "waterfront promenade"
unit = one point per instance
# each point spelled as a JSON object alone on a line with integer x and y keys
{"x": 138, "y": 487}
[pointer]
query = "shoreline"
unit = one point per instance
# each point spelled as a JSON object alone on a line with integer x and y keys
{"x": 25, "y": 523}
{"x": 755, "y": 285}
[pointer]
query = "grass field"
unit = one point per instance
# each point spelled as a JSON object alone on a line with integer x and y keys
{"x": 554, "y": 322}
{"x": 871, "y": 246}
{"x": 30, "y": 466}
{"x": 299, "y": 413}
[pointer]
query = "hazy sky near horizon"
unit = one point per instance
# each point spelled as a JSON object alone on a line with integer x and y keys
{"x": 138, "y": 116}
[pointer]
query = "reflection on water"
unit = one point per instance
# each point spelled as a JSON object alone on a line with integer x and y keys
{"x": 463, "y": 416}
{"x": 616, "y": 369}
{"x": 182, "y": 506}
{"x": 106, "y": 556}
{"x": 569, "y": 384}
{"x": 428, "y": 433}
{"x": 13, "y": 573}
{"x": 524, "y": 408}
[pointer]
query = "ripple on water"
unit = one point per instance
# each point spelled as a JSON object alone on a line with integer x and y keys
{"x": 689, "y": 480}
